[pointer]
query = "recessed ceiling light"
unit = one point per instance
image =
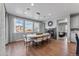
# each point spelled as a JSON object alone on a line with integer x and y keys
{"x": 49, "y": 14}
{"x": 32, "y": 4}
{"x": 28, "y": 8}
{"x": 25, "y": 13}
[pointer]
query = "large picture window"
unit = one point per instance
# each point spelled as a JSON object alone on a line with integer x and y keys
{"x": 21, "y": 26}
{"x": 28, "y": 26}
{"x": 36, "y": 27}
{"x": 18, "y": 25}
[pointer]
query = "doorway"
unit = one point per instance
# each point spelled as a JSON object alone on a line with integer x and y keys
{"x": 62, "y": 29}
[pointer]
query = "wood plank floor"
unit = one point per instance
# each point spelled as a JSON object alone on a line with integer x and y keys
{"x": 52, "y": 48}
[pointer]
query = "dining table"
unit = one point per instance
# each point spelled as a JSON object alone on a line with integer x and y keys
{"x": 37, "y": 36}
{"x": 32, "y": 37}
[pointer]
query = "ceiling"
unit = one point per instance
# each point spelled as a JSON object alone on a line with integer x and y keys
{"x": 42, "y": 11}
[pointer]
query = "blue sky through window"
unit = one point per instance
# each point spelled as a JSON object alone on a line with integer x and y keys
{"x": 19, "y": 22}
{"x": 28, "y": 25}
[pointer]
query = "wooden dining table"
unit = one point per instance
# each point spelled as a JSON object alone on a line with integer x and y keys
{"x": 37, "y": 36}
{"x": 32, "y": 38}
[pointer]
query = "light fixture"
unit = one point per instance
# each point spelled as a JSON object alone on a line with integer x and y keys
{"x": 28, "y": 9}
{"x": 49, "y": 14}
{"x": 25, "y": 13}
{"x": 32, "y": 4}
{"x": 38, "y": 13}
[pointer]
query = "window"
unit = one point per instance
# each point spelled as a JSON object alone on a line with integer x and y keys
{"x": 36, "y": 27}
{"x": 18, "y": 24}
{"x": 21, "y": 26}
{"x": 28, "y": 26}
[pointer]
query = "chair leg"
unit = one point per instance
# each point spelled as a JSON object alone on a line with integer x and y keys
{"x": 34, "y": 43}
{"x": 24, "y": 43}
{"x": 27, "y": 48}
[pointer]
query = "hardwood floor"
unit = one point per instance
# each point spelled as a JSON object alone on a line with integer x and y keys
{"x": 52, "y": 48}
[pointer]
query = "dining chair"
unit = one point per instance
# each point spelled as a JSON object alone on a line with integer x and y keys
{"x": 48, "y": 38}
{"x": 27, "y": 40}
{"x": 45, "y": 39}
{"x": 27, "y": 43}
{"x": 37, "y": 41}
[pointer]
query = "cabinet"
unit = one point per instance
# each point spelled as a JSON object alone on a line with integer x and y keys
{"x": 73, "y": 39}
{"x": 74, "y": 22}
{"x": 74, "y": 25}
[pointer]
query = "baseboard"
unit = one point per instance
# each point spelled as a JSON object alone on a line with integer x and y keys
{"x": 14, "y": 42}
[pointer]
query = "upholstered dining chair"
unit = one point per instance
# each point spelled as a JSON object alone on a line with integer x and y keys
{"x": 37, "y": 41}
{"x": 48, "y": 38}
{"x": 45, "y": 39}
{"x": 27, "y": 40}
{"x": 27, "y": 43}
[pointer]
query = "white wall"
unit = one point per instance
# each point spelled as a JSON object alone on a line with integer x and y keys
{"x": 68, "y": 28}
{"x": 2, "y": 29}
{"x": 42, "y": 27}
{"x": 62, "y": 27}
{"x": 6, "y": 27}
